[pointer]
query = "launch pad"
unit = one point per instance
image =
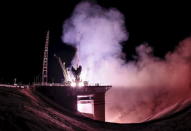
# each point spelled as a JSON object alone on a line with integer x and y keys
{"x": 88, "y": 100}
{"x": 74, "y": 93}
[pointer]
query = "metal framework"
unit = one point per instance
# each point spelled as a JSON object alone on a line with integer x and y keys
{"x": 63, "y": 67}
{"x": 45, "y": 61}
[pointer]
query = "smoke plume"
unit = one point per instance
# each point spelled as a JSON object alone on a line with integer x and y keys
{"x": 144, "y": 89}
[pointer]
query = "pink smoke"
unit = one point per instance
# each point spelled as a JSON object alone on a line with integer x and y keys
{"x": 146, "y": 89}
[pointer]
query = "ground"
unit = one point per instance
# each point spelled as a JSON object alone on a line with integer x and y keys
{"x": 28, "y": 110}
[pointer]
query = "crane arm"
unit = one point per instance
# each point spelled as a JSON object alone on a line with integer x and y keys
{"x": 62, "y": 65}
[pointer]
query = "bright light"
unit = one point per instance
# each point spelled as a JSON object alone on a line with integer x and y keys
{"x": 81, "y": 84}
{"x": 73, "y": 84}
{"x": 85, "y": 105}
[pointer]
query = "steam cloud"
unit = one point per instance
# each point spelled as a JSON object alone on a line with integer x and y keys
{"x": 142, "y": 90}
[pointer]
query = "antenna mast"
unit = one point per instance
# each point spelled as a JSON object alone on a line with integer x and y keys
{"x": 45, "y": 61}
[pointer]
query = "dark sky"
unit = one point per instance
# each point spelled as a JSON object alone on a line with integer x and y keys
{"x": 24, "y": 26}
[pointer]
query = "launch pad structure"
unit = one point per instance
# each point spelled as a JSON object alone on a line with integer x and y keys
{"x": 89, "y": 100}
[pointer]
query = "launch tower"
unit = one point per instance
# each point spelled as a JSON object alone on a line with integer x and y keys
{"x": 45, "y": 61}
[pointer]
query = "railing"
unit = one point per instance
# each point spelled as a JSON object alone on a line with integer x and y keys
{"x": 49, "y": 85}
{"x": 14, "y": 86}
{"x": 64, "y": 85}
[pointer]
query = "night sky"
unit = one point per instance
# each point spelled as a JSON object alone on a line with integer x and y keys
{"x": 24, "y": 26}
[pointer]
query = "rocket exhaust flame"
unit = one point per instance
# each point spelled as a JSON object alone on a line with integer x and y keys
{"x": 144, "y": 89}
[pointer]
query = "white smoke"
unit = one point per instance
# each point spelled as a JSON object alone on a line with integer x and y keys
{"x": 142, "y": 89}
{"x": 96, "y": 33}
{"x": 154, "y": 87}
